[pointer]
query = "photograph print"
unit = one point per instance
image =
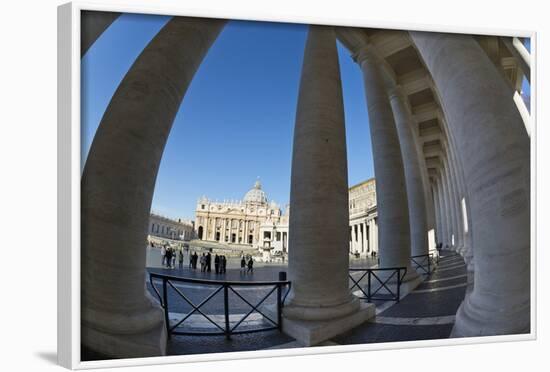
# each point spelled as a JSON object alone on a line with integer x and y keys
{"x": 256, "y": 186}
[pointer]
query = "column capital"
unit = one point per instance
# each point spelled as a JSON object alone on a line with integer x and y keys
{"x": 367, "y": 54}
{"x": 395, "y": 91}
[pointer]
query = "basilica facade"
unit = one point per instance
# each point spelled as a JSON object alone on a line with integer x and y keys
{"x": 256, "y": 222}
{"x": 253, "y": 221}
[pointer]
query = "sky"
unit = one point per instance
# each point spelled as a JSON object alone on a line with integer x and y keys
{"x": 236, "y": 121}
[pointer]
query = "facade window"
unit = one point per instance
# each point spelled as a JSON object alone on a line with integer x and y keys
{"x": 278, "y": 236}
{"x": 267, "y": 234}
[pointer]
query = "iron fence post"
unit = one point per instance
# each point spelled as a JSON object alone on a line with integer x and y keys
{"x": 226, "y": 310}
{"x": 368, "y": 285}
{"x": 279, "y": 308}
{"x": 165, "y": 301}
{"x": 399, "y": 283}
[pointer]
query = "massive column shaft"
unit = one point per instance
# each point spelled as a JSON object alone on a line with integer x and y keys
{"x": 391, "y": 189}
{"x": 447, "y": 204}
{"x": 92, "y": 24}
{"x": 443, "y": 209}
{"x": 494, "y": 149}
{"x": 455, "y": 198}
{"x": 318, "y": 258}
{"x": 435, "y": 191}
{"x": 118, "y": 317}
{"x": 413, "y": 175}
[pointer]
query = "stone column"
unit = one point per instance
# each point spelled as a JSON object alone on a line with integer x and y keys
{"x": 413, "y": 175}
{"x": 375, "y": 228}
{"x": 365, "y": 238}
{"x": 435, "y": 192}
{"x": 205, "y": 232}
{"x": 467, "y": 252}
{"x": 450, "y": 204}
{"x": 442, "y": 207}
{"x": 92, "y": 24}
{"x": 447, "y": 205}
{"x": 495, "y": 153}
{"x": 371, "y": 235}
{"x": 224, "y": 225}
{"x": 456, "y": 202}
{"x": 119, "y": 318}
{"x": 391, "y": 189}
{"x": 320, "y": 305}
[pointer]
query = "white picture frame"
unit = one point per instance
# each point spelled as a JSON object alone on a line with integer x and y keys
{"x": 69, "y": 180}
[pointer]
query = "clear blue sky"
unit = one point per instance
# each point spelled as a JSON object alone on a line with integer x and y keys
{"x": 236, "y": 121}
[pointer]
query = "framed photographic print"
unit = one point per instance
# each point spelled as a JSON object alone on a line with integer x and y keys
{"x": 233, "y": 186}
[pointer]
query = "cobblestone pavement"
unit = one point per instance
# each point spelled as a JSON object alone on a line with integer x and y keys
{"x": 425, "y": 313}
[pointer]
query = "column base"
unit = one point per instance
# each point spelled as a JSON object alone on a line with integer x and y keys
{"x": 314, "y": 332}
{"x": 472, "y": 321}
{"x": 411, "y": 276}
{"x": 124, "y": 342}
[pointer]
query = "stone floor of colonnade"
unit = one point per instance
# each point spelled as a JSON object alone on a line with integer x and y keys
{"x": 428, "y": 312}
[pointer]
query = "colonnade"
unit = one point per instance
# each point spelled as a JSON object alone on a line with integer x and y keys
{"x": 485, "y": 162}
{"x": 364, "y": 236}
{"x": 493, "y": 147}
{"x": 118, "y": 317}
{"x": 231, "y": 230}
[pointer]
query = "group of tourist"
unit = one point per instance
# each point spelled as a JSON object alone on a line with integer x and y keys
{"x": 171, "y": 255}
{"x": 247, "y": 264}
{"x": 220, "y": 263}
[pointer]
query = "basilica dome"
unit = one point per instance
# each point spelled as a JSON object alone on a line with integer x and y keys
{"x": 256, "y": 195}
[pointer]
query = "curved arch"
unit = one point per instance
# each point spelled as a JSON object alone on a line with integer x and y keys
{"x": 92, "y": 25}
{"x": 117, "y": 189}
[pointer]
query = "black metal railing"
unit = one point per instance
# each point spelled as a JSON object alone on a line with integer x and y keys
{"x": 218, "y": 286}
{"x": 379, "y": 283}
{"x": 424, "y": 262}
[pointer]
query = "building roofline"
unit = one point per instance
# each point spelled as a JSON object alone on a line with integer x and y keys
{"x": 372, "y": 179}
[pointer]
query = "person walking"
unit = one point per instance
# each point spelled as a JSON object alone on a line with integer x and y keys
{"x": 243, "y": 264}
{"x": 217, "y": 264}
{"x": 223, "y": 264}
{"x": 250, "y": 266}
{"x": 180, "y": 258}
{"x": 169, "y": 257}
{"x": 203, "y": 263}
{"x": 162, "y": 255}
{"x": 208, "y": 262}
{"x": 195, "y": 259}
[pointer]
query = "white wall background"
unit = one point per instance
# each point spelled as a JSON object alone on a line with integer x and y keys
{"x": 28, "y": 182}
